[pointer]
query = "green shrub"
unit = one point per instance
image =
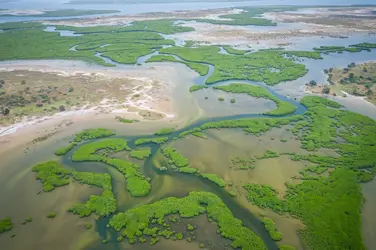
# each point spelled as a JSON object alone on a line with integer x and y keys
{"x": 133, "y": 221}
{"x": 140, "y": 153}
{"x": 285, "y": 247}
{"x": 232, "y": 193}
{"x": 283, "y": 108}
{"x": 190, "y": 227}
{"x": 158, "y": 140}
{"x": 196, "y": 88}
{"x": 214, "y": 178}
{"x": 5, "y": 225}
{"x": 64, "y": 151}
{"x": 176, "y": 158}
{"x": 52, "y": 175}
{"x": 339, "y": 226}
{"x": 51, "y": 215}
{"x": 188, "y": 132}
{"x": 188, "y": 170}
{"x": 90, "y": 134}
{"x": 272, "y": 229}
{"x": 164, "y": 131}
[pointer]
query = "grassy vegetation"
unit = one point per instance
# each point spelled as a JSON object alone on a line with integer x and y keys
{"x": 65, "y": 150}
{"x": 91, "y": 134}
{"x": 242, "y": 163}
{"x": 200, "y": 68}
{"x": 286, "y": 247}
{"x": 5, "y": 225}
{"x": 283, "y": 108}
{"x": 87, "y": 152}
{"x": 188, "y": 170}
{"x": 20, "y": 25}
{"x": 352, "y": 136}
{"x": 137, "y": 185}
{"x": 164, "y": 131}
{"x": 249, "y": 16}
{"x": 38, "y": 44}
{"x": 270, "y": 67}
{"x": 339, "y": 226}
{"x": 188, "y": 132}
{"x": 272, "y": 229}
{"x": 352, "y": 48}
{"x": 214, "y": 178}
{"x": 175, "y": 157}
{"x": 196, "y": 87}
{"x": 123, "y": 47}
{"x": 123, "y": 120}
{"x": 229, "y": 49}
{"x": 161, "y": 26}
{"x": 51, "y": 215}
{"x": 134, "y": 221}
{"x": 52, "y": 175}
{"x": 232, "y": 193}
{"x": 199, "y": 134}
{"x": 253, "y": 126}
{"x": 157, "y": 140}
{"x": 140, "y": 153}
{"x": 268, "y": 154}
{"x": 102, "y": 205}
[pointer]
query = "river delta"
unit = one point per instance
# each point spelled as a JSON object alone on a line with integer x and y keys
{"x": 142, "y": 132}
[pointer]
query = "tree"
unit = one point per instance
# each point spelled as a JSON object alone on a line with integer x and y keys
{"x": 6, "y": 111}
{"x": 326, "y": 90}
{"x": 23, "y": 82}
{"x": 312, "y": 83}
{"x": 351, "y": 75}
{"x": 369, "y": 92}
{"x": 351, "y": 65}
{"x": 61, "y": 108}
{"x": 368, "y": 85}
{"x": 326, "y": 71}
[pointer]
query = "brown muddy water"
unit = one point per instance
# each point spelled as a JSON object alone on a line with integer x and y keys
{"x": 368, "y": 214}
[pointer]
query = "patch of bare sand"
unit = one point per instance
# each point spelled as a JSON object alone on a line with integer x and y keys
{"x": 351, "y": 18}
{"x": 145, "y": 93}
{"x": 21, "y": 12}
{"x": 126, "y": 19}
{"x": 244, "y": 35}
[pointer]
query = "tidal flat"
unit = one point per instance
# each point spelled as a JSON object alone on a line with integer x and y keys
{"x": 138, "y": 160}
